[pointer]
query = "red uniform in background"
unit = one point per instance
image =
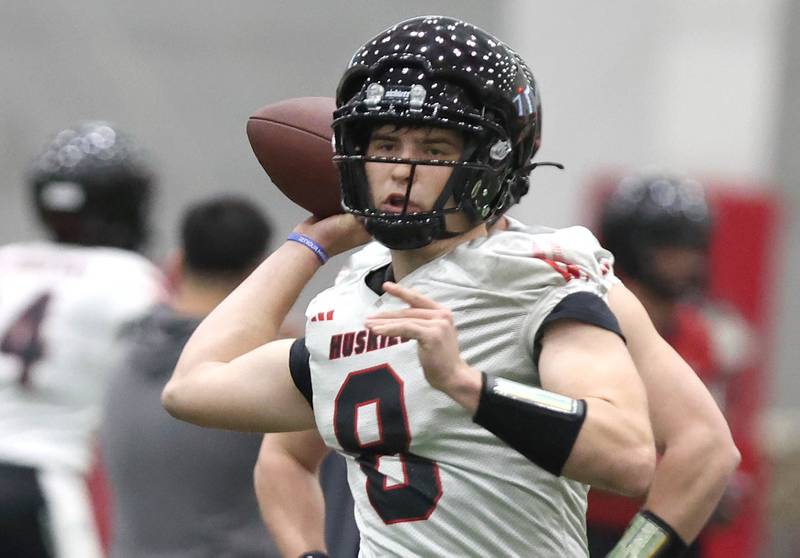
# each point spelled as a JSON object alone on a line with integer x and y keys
{"x": 722, "y": 331}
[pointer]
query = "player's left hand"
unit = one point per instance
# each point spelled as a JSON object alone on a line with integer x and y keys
{"x": 431, "y": 325}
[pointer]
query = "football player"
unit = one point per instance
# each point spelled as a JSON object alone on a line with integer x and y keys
{"x": 659, "y": 228}
{"x": 63, "y": 305}
{"x": 475, "y": 383}
{"x": 698, "y": 455}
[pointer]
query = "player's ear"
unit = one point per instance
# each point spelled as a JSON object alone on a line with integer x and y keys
{"x": 174, "y": 269}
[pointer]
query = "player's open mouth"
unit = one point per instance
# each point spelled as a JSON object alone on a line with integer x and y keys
{"x": 394, "y": 204}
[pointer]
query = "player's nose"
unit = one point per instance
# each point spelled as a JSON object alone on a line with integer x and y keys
{"x": 401, "y": 172}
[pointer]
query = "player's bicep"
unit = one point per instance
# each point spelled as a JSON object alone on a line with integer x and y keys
{"x": 681, "y": 400}
{"x": 581, "y": 361}
{"x": 254, "y": 392}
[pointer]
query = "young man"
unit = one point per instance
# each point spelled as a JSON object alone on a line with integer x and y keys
{"x": 162, "y": 471}
{"x": 63, "y": 305}
{"x": 697, "y": 453}
{"x": 421, "y": 370}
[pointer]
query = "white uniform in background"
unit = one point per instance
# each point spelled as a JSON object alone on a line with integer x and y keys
{"x": 62, "y": 311}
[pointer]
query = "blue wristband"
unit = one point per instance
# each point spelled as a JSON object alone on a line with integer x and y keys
{"x": 310, "y": 244}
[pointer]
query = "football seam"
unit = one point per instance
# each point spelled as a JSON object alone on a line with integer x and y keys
{"x": 291, "y": 126}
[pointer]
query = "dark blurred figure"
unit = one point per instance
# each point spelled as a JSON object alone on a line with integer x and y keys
{"x": 659, "y": 229}
{"x": 63, "y": 306}
{"x": 179, "y": 490}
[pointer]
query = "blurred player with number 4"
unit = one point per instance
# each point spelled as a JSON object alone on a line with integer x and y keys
{"x": 63, "y": 305}
{"x": 475, "y": 383}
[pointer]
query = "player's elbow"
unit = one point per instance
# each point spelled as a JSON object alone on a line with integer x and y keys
{"x": 720, "y": 453}
{"x": 636, "y": 473}
{"x": 709, "y": 442}
{"x": 733, "y": 457}
{"x": 637, "y": 459}
{"x": 177, "y": 401}
{"x": 171, "y": 398}
{"x": 261, "y": 474}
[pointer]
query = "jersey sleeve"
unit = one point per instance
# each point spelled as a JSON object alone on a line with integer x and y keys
{"x": 583, "y": 307}
{"x": 570, "y": 267}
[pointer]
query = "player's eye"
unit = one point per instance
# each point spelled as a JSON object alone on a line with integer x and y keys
{"x": 441, "y": 151}
{"x": 383, "y": 147}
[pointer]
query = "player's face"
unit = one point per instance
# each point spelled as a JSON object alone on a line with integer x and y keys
{"x": 681, "y": 269}
{"x": 389, "y": 181}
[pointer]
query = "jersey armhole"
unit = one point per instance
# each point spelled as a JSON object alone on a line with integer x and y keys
{"x": 300, "y": 369}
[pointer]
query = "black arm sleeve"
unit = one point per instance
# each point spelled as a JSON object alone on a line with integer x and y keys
{"x": 584, "y": 307}
{"x": 298, "y": 366}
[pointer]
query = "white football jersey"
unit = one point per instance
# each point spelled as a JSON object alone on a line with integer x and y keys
{"x": 426, "y": 480}
{"x": 62, "y": 310}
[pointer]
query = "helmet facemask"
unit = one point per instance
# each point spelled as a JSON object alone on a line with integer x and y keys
{"x": 475, "y": 186}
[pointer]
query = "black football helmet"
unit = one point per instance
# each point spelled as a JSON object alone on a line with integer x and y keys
{"x": 91, "y": 187}
{"x": 441, "y": 72}
{"x": 650, "y": 211}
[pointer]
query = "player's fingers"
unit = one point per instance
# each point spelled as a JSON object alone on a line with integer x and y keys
{"x": 376, "y": 321}
{"x": 409, "y": 296}
{"x": 430, "y": 333}
{"x": 410, "y": 329}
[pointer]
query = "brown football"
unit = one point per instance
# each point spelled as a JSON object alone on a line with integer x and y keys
{"x": 292, "y": 141}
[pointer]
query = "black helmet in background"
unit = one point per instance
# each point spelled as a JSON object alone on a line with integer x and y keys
{"x": 91, "y": 187}
{"x": 650, "y": 218}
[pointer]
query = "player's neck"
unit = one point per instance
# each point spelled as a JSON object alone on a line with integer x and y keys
{"x": 406, "y": 261}
{"x": 197, "y": 297}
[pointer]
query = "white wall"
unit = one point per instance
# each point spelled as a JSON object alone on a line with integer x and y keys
{"x": 689, "y": 86}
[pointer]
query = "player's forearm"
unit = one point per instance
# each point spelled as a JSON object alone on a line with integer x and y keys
{"x": 292, "y": 504}
{"x": 586, "y": 439}
{"x": 690, "y": 480}
{"x": 614, "y": 450}
{"x": 253, "y": 313}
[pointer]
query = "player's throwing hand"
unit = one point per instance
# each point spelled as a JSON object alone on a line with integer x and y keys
{"x": 431, "y": 325}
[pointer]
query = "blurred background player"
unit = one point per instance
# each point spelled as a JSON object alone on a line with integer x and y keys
{"x": 659, "y": 229}
{"x": 180, "y": 490}
{"x": 63, "y": 305}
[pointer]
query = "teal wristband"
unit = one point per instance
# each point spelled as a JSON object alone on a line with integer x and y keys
{"x": 311, "y": 245}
